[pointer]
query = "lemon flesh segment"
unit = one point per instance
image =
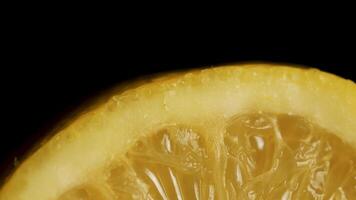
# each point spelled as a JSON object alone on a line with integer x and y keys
{"x": 84, "y": 159}
{"x": 260, "y": 156}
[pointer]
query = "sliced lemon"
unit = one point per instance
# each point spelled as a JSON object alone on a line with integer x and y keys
{"x": 254, "y": 131}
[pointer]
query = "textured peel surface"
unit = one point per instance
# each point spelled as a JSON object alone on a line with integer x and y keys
{"x": 237, "y": 132}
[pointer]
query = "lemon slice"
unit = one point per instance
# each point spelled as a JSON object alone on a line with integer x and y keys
{"x": 253, "y": 131}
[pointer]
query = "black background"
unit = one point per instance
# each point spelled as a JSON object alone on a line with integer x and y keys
{"x": 48, "y": 77}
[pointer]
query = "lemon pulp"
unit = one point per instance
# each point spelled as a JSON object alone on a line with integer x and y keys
{"x": 256, "y": 156}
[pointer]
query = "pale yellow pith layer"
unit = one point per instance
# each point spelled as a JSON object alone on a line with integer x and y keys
{"x": 205, "y": 98}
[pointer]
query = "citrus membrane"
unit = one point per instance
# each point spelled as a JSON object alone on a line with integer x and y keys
{"x": 261, "y": 156}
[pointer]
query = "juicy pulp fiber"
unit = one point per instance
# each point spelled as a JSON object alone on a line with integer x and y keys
{"x": 260, "y": 156}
